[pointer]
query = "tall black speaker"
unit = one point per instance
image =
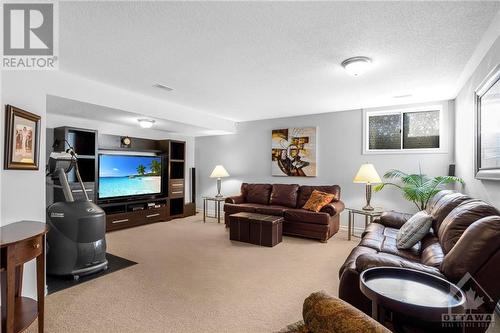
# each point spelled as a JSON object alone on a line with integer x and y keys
{"x": 193, "y": 185}
{"x": 451, "y": 170}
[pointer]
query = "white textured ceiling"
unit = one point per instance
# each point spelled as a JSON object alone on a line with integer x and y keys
{"x": 68, "y": 107}
{"x": 256, "y": 60}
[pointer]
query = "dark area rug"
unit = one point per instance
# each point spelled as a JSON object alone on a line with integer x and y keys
{"x": 58, "y": 283}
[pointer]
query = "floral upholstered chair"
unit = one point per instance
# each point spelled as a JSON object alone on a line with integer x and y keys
{"x": 326, "y": 314}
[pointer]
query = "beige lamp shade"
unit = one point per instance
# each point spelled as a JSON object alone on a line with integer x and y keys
{"x": 367, "y": 174}
{"x": 219, "y": 172}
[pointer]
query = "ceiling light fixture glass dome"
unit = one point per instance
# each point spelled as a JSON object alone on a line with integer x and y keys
{"x": 356, "y": 66}
{"x": 146, "y": 123}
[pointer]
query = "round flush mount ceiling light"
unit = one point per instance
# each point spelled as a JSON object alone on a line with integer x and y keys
{"x": 356, "y": 66}
{"x": 146, "y": 123}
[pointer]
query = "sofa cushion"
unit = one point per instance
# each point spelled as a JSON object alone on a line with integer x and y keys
{"x": 230, "y": 208}
{"x": 333, "y": 208}
{"x": 444, "y": 206}
{"x": 431, "y": 251}
{"x": 390, "y": 246}
{"x": 366, "y": 261}
{"x": 432, "y": 202}
{"x": 284, "y": 195}
{"x": 305, "y": 192}
{"x": 383, "y": 239}
{"x": 478, "y": 244}
{"x": 270, "y": 210}
{"x": 414, "y": 230}
{"x": 256, "y": 193}
{"x": 460, "y": 219}
{"x": 318, "y": 200}
{"x": 393, "y": 219}
{"x": 373, "y": 227}
{"x": 305, "y": 216}
{"x": 350, "y": 262}
{"x": 375, "y": 234}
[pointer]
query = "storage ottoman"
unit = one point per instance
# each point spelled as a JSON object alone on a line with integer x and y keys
{"x": 258, "y": 229}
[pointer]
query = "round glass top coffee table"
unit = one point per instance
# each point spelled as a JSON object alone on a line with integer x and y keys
{"x": 410, "y": 292}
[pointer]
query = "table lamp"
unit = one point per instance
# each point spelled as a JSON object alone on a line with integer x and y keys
{"x": 219, "y": 172}
{"x": 367, "y": 175}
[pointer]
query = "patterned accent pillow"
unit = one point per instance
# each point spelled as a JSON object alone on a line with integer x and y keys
{"x": 318, "y": 200}
{"x": 413, "y": 230}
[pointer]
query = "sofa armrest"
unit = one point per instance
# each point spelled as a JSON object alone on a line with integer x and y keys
{"x": 236, "y": 199}
{"x": 366, "y": 261}
{"x": 324, "y": 313}
{"x": 333, "y": 208}
{"x": 392, "y": 219}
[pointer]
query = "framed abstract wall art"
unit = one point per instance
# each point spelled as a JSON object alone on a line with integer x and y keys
{"x": 294, "y": 152}
{"x": 22, "y": 136}
{"x": 487, "y": 105}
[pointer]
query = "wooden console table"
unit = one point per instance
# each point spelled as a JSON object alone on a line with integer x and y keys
{"x": 21, "y": 242}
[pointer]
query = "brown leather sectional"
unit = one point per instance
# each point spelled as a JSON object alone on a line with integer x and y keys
{"x": 286, "y": 200}
{"x": 465, "y": 239}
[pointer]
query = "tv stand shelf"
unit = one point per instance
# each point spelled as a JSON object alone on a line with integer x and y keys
{"x": 133, "y": 213}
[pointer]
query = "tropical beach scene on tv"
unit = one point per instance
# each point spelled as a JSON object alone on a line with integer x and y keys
{"x": 127, "y": 175}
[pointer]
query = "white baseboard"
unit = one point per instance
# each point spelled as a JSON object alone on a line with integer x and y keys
{"x": 211, "y": 212}
{"x": 357, "y": 230}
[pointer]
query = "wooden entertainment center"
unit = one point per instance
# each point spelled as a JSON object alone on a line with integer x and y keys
{"x": 127, "y": 212}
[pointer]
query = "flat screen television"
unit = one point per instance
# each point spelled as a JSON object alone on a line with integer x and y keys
{"x": 129, "y": 176}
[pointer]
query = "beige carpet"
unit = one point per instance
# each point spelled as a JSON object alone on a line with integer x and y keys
{"x": 191, "y": 278}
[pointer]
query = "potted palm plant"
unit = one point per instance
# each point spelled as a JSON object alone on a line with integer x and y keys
{"x": 417, "y": 188}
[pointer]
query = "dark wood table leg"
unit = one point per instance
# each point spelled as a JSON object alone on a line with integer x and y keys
{"x": 3, "y": 293}
{"x": 19, "y": 280}
{"x": 374, "y": 310}
{"x": 40, "y": 286}
{"x": 10, "y": 291}
{"x": 378, "y": 313}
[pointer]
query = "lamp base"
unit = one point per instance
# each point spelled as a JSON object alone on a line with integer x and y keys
{"x": 368, "y": 207}
{"x": 368, "y": 197}
{"x": 219, "y": 195}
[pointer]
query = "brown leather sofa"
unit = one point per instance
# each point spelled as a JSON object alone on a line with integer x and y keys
{"x": 464, "y": 239}
{"x": 287, "y": 200}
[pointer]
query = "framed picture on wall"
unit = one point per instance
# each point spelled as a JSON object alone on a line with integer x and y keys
{"x": 487, "y": 104}
{"x": 294, "y": 152}
{"x": 22, "y": 136}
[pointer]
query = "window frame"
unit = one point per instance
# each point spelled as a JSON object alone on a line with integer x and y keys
{"x": 427, "y": 108}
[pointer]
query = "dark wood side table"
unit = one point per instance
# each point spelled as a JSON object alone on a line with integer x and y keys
{"x": 217, "y": 201}
{"x": 21, "y": 242}
{"x": 422, "y": 296}
{"x": 369, "y": 215}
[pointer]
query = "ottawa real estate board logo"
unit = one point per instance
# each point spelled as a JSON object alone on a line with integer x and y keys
{"x": 30, "y": 36}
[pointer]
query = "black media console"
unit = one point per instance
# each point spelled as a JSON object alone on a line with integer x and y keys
{"x": 125, "y": 213}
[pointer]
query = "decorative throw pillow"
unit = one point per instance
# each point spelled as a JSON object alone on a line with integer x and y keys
{"x": 413, "y": 230}
{"x": 318, "y": 200}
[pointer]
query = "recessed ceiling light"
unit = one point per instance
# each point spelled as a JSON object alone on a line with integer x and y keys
{"x": 357, "y": 65}
{"x": 403, "y": 96}
{"x": 162, "y": 86}
{"x": 146, "y": 123}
